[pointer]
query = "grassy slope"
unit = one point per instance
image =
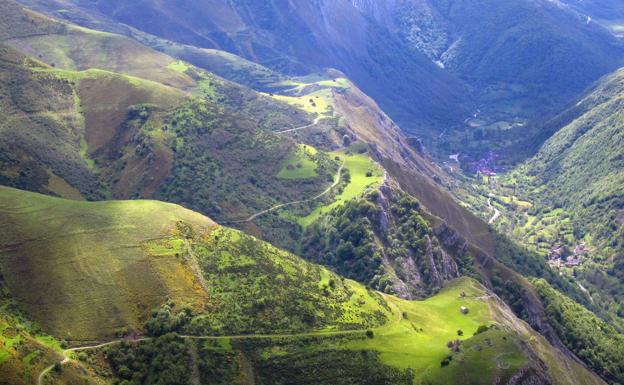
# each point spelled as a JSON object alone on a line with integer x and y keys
{"x": 439, "y": 318}
{"x": 358, "y": 165}
{"x": 595, "y": 341}
{"x": 60, "y": 121}
{"x": 300, "y": 165}
{"x": 71, "y": 47}
{"x": 41, "y": 132}
{"x": 80, "y": 268}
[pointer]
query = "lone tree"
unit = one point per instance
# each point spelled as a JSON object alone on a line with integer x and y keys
{"x": 370, "y": 334}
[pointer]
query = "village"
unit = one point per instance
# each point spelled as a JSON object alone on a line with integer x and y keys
{"x": 561, "y": 256}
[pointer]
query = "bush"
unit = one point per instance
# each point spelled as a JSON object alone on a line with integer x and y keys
{"x": 370, "y": 334}
{"x": 482, "y": 329}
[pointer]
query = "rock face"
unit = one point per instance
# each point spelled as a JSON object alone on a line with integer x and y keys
{"x": 383, "y": 240}
{"x": 426, "y": 267}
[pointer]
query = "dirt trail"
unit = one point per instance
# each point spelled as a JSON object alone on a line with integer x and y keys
{"x": 337, "y": 179}
{"x": 496, "y": 215}
{"x": 314, "y": 123}
{"x": 67, "y": 359}
{"x": 327, "y": 333}
{"x": 66, "y": 353}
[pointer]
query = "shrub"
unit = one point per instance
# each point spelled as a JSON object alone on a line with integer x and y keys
{"x": 482, "y": 329}
{"x": 370, "y": 334}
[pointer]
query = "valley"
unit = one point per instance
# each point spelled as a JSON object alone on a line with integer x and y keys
{"x": 342, "y": 192}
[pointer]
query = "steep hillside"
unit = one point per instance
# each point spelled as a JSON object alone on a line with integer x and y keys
{"x": 383, "y": 240}
{"x": 579, "y": 327}
{"x": 237, "y": 312}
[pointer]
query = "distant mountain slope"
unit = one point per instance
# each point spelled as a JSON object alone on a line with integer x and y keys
{"x": 507, "y": 62}
{"x": 157, "y": 269}
{"x": 299, "y": 38}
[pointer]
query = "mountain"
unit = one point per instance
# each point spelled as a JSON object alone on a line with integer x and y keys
{"x": 460, "y": 69}
{"x": 203, "y": 311}
{"x": 569, "y": 195}
{"x": 148, "y": 137}
{"x": 286, "y": 152}
{"x": 607, "y": 13}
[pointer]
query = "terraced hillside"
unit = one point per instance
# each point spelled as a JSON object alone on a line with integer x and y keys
{"x": 237, "y": 311}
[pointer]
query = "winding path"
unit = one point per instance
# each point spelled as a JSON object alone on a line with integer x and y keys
{"x": 321, "y": 333}
{"x": 66, "y": 353}
{"x": 337, "y": 179}
{"x": 314, "y": 123}
{"x": 496, "y": 215}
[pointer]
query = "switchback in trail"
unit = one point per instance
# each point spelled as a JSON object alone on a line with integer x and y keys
{"x": 337, "y": 179}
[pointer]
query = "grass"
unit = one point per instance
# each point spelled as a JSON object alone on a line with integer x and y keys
{"x": 84, "y": 271}
{"x": 320, "y": 102}
{"x": 439, "y": 317}
{"x": 298, "y": 84}
{"x": 178, "y": 66}
{"x": 101, "y": 50}
{"x": 300, "y": 165}
{"x": 416, "y": 338}
{"x": 358, "y": 165}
